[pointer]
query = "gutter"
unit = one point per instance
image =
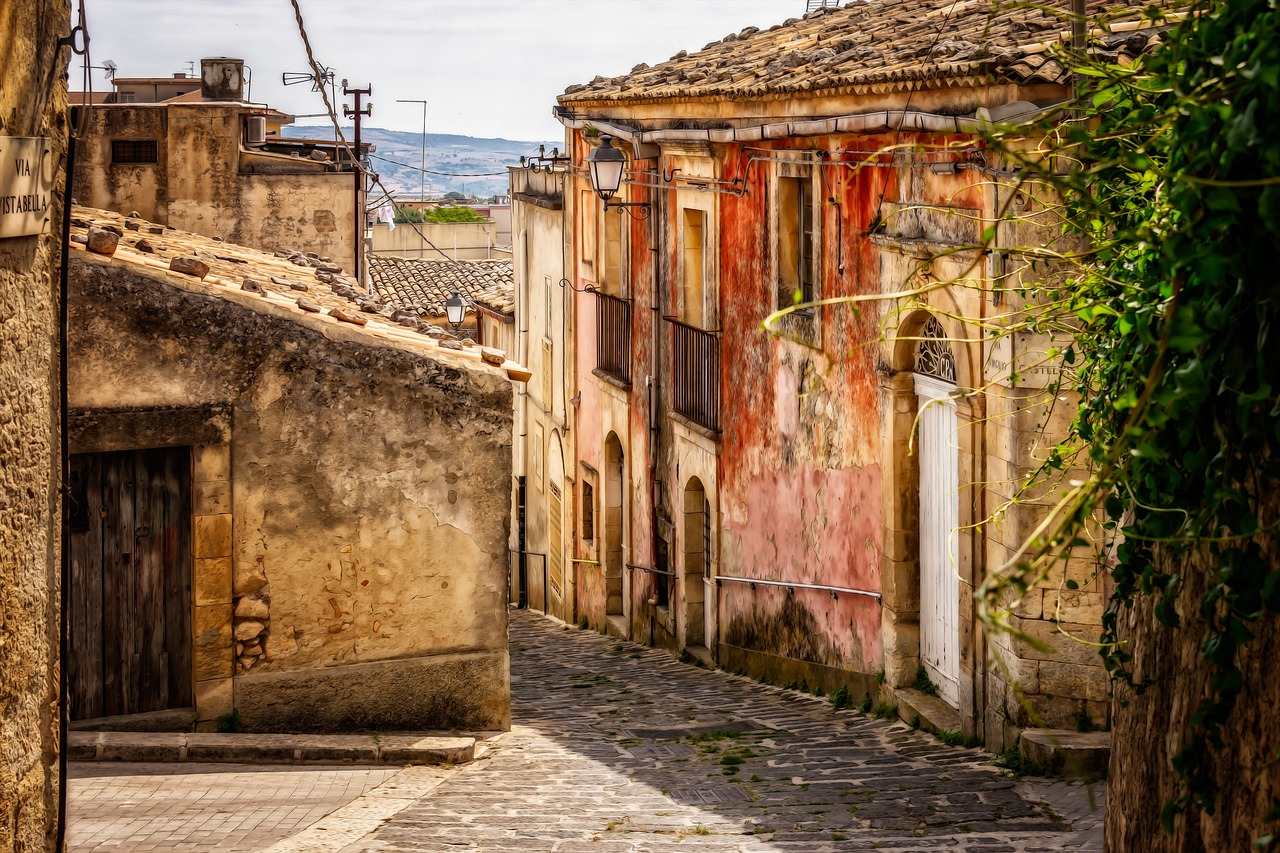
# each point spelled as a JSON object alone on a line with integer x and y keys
{"x": 645, "y": 142}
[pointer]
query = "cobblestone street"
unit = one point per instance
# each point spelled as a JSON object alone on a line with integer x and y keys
{"x": 619, "y": 749}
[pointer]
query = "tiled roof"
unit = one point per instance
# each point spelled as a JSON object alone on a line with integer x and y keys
{"x": 879, "y": 45}
{"x": 423, "y": 285}
{"x": 309, "y": 290}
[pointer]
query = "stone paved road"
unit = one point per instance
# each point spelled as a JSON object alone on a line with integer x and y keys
{"x": 190, "y": 808}
{"x": 621, "y": 749}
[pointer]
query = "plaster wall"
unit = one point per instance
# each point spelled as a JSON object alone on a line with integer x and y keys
{"x": 462, "y": 241}
{"x": 361, "y": 542}
{"x": 800, "y": 476}
{"x": 33, "y": 102}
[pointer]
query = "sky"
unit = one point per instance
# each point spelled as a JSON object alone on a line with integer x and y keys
{"x": 485, "y": 67}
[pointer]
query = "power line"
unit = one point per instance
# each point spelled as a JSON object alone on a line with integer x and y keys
{"x": 442, "y": 174}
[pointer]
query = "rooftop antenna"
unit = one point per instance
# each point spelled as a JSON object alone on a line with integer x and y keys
{"x": 292, "y": 78}
{"x": 109, "y": 68}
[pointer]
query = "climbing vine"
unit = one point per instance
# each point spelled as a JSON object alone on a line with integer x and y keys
{"x": 1170, "y": 169}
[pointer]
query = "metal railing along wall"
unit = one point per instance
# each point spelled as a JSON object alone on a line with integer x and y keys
{"x": 613, "y": 336}
{"x": 696, "y": 365}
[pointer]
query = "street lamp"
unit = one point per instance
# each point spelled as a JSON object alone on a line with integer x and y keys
{"x": 455, "y": 308}
{"x": 606, "y": 165}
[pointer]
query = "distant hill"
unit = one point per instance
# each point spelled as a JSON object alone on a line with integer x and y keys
{"x": 475, "y": 166}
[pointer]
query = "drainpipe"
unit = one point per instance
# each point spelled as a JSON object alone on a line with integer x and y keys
{"x": 655, "y": 430}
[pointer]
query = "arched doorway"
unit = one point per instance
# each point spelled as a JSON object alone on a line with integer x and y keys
{"x": 934, "y": 379}
{"x": 614, "y": 525}
{"x": 695, "y": 569}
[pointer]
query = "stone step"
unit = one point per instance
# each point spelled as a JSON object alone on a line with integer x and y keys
{"x": 934, "y": 714}
{"x": 268, "y": 748}
{"x": 173, "y": 720}
{"x": 1064, "y": 752}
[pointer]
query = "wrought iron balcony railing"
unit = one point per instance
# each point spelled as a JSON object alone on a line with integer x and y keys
{"x": 613, "y": 336}
{"x": 696, "y": 383}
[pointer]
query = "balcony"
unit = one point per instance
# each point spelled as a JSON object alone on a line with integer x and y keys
{"x": 696, "y": 365}
{"x": 613, "y": 336}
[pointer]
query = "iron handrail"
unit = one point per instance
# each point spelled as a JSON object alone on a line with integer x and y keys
{"x": 651, "y": 570}
{"x": 791, "y": 585}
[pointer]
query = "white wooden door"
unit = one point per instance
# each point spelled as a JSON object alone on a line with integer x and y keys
{"x": 939, "y": 459}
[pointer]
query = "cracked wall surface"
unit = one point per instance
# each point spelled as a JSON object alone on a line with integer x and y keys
{"x": 351, "y": 568}
{"x": 32, "y": 103}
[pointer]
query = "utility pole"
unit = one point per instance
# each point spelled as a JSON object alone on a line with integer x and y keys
{"x": 357, "y": 113}
{"x": 422, "y": 191}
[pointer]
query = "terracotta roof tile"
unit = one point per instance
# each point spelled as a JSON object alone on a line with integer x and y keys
{"x": 308, "y": 291}
{"x": 896, "y": 42}
{"x": 424, "y": 284}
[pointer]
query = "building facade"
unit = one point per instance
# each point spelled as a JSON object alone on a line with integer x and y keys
{"x": 545, "y": 482}
{"x": 301, "y": 506}
{"x": 199, "y": 164}
{"x": 800, "y": 445}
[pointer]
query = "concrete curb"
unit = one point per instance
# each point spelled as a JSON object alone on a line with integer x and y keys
{"x": 268, "y": 749}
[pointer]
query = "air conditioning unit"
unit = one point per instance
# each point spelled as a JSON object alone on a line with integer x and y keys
{"x": 256, "y": 130}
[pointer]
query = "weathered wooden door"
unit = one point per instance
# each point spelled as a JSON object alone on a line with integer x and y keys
{"x": 939, "y": 458}
{"x": 130, "y": 558}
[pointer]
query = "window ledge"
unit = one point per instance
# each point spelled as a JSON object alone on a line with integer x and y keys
{"x": 611, "y": 379}
{"x": 694, "y": 427}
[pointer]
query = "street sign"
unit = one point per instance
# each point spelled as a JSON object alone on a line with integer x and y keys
{"x": 26, "y": 186}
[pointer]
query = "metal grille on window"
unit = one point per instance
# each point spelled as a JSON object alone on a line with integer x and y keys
{"x": 133, "y": 151}
{"x": 933, "y": 354}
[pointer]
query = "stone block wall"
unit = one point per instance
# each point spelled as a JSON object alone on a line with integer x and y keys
{"x": 32, "y": 103}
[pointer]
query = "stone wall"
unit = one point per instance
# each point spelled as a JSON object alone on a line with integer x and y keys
{"x": 350, "y": 527}
{"x": 32, "y": 103}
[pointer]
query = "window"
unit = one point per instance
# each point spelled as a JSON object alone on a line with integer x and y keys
{"x": 588, "y": 512}
{"x": 588, "y": 222}
{"x": 796, "y": 241}
{"x": 663, "y": 579}
{"x": 536, "y": 451}
{"x": 611, "y": 260}
{"x": 694, "y": 310}
{"x": 546, "y": 316}
{"x": 133, "y": 151}
{"x": 797, "y": 244}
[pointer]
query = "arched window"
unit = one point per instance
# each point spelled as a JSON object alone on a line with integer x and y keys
{"x": 933, "y": 353}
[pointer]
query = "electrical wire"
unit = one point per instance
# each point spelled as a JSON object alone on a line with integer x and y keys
{"x": 442, "y": 174}
{"x": 884, "y": 187}
{"x": 386, "y": 194}
{"x": 317, "y": 71}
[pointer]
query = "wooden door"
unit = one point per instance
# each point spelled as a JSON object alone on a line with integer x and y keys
{"x": 130, "y": 559}
{"x": 939, "y": 459}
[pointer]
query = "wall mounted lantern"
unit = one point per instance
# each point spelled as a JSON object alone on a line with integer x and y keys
{"x": 455, "y": 308}
{"x": 606, "y": 165}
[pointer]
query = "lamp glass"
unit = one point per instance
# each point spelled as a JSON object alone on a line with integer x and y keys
{"x": 454, "y": 308}
{"x": 606, "y": 164}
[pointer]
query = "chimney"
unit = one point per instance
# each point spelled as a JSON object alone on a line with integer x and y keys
{"x": 222, "y": 79}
